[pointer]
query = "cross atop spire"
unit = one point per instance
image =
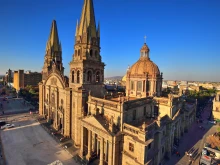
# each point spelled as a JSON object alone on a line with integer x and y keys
{"x": 145, "y": 38}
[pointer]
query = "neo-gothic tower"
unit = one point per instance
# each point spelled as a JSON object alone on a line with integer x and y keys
{"x": 86, "y": 67}
{"x": 53, "y": 54}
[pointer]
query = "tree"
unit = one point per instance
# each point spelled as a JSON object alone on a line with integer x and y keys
{"x": 31, "y": 91}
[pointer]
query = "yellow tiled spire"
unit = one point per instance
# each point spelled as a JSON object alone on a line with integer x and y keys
{"x": 53, "y": 41}
{"x": 87, "y": 21}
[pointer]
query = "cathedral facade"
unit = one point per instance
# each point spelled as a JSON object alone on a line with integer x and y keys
{"x": 141, "y": 127}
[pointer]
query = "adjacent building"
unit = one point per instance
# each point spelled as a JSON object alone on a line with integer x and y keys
{"x": 32, "y": 78}
{"x": 22, "y": 79}
{"x": 139, "y": 128}
{"x": 18, "y": 79}
{"x": 216, "y": 106}
{"x": 8, "y": 78}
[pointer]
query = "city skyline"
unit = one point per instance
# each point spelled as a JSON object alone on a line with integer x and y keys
{"x": 183, "y": 36}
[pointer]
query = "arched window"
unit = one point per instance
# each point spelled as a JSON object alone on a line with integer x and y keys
{"x": 91, "y": 52}
{"x": 96, "y": 53}
{"x": 89, "y": 76}
{"x": 148, "y": 86}
{"x": 72, "y": 76}
{"x": 97, "y": 76}
{"x": 79, "y": 52}
{"x": 132, "y": 85}
{"x": 78, "y": 76}
{"x": 139, "y": 86}
{"x": 75, "y": 52}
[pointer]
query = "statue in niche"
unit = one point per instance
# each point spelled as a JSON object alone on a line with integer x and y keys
{"x": 52, "y": 100}
{"x": 53, "y": 81}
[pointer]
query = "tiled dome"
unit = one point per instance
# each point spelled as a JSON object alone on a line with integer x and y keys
{"x": 144, "y": 65}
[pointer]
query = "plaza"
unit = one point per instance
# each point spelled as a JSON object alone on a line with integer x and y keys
{"x": 14, "y": 105}
{"x": 28, "y": 143}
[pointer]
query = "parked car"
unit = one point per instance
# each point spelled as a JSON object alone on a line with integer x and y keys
{"x": 7, "y": 126}
{"x": 212, "y": 121}
{"x": 55, "y": 133}
{"x": 2, "y": 123}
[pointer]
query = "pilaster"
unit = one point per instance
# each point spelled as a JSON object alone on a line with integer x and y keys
{"x": 94, "y": 142}
{"x": 110, "y": 153}
{"x": 101, "y": 151}
{"x": 88, "y": 156}
{"x": 81, "y": 145}
{"x": 41, "y": 98}
{"x": 67, "y": 113}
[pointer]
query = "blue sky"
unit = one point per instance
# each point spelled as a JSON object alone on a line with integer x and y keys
{"x": 183, "y": 35}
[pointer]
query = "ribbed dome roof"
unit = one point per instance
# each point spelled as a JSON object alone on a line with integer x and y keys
{"x": 143, "y": 66}
{"x": 124, "y": 78}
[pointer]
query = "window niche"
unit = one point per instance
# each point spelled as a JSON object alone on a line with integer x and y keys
{"x": 73, "y": 76}
{"x": 89, "y": 76}
{"x": 148, "y": 86}
{"x": 132, "y": 85}
{"x": 91, "y": 53}
{"x": 139, "y": 86}
{"x": 131, "y": 147}
{"x": 78, "y": 76}
{"x": 96, "y": 54}
{"x": 97, "y": 77}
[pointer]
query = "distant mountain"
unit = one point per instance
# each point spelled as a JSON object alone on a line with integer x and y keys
{"x": 114, "y": 78}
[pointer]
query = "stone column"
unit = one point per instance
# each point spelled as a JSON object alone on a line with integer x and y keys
{"x": 41, "y": 99}
{"x": 155, "y": 86}
{"x": 98, "y": 147}
{"x": 101, "y": 151}
{"x": 88, "y": 156}
{"x": 94, "y": 145}
{"x": 110, "y": 153}
{"x": 81, "y": 145}
{"x": 106, "y": 150}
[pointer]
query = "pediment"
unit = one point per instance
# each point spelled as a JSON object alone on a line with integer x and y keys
{"x": 94, "y": 122}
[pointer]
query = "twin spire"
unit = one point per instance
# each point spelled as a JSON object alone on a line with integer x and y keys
{"x": 87, "y": 22}
{"x": 53, "y": 40}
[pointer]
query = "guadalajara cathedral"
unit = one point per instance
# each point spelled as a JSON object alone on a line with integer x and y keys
{"x": 139, "y": 128}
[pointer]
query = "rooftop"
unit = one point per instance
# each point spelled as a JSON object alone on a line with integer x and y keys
{"x": 143, "y": 122}
{"x": 213, "y": 141}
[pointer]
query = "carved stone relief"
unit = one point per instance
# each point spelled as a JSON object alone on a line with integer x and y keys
{"x": 53, "y": 81}
{"x": 52, "y": 100}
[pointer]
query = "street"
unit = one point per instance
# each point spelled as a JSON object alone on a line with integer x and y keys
{"x": 28, "y": 143}
{"x": 193, "y": 141}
